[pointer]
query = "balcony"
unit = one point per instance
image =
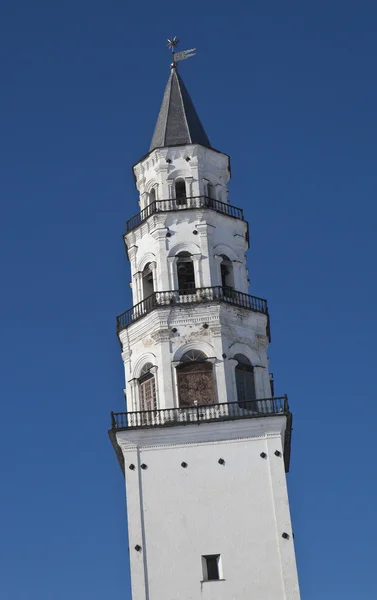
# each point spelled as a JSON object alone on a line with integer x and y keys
{"x": 209, "y": 413}
{"x": 189, "y": 297}
{"x": 183, "y": 204}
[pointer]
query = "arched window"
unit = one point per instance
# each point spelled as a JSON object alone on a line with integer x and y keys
{"x": 227, "y": 275}
{"x": 210, "y": 191}
{"x": 195, "y": 380}
{"x": 147, "y": 281}
{"x": 185, "y": 272}
{"x": 180, "y": 192}
{"x": 245, "y": 383}
{"x": 147, "y": 389}
{"x": 152, "y": 196}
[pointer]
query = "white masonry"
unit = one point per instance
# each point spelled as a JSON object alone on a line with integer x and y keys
{"x": 203, "y": 444}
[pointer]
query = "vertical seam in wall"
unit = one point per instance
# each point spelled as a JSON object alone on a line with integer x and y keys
{"x": 276, "y": 524}
{"x": 143, "y": 539}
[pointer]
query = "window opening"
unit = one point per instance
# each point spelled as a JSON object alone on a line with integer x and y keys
{"x": 147, "y": 385}
{"x": 211, "y": 567}
{"x": 147, "y": 281}
{"x": 186, "y": 275}
{"x": 210, "y": 191}
{"x": 227, "y": 275}
{"x": 195, "y": 380}
{"x": 245, "y": 383}
{"x": 180, "y": 192}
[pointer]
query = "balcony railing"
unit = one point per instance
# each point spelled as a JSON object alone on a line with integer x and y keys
{"x": 183, "y": 204}
{"x": 186, "y": 415}
{"x": 195, "y": 296}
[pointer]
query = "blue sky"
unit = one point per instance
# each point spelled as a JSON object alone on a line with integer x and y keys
{"x": 288, "y": 89}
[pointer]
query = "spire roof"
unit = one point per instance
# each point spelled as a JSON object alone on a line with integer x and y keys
{"x": 178, "y": 122}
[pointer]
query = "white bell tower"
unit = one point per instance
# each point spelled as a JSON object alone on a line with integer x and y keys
{"x": 204, "y": 444}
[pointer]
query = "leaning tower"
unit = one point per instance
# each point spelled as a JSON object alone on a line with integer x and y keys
{"x": 204, "y": 444}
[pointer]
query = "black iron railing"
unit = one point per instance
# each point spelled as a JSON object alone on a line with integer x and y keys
{"x": 183, "y": 204}
{"x": 186, "y": 415}
{"x": 196, "y": 296}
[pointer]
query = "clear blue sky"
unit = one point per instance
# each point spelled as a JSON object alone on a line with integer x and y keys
{"x": 288, "y": 89}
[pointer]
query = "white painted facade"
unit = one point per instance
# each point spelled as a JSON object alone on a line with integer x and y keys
{"x": 239, "y": 509}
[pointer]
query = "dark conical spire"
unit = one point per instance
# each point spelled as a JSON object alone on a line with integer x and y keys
{"x": 178, "y": 123}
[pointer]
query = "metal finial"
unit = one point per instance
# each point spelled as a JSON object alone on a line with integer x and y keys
{"x": 172, "y": 44}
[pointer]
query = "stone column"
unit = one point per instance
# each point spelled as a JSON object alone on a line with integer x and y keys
{"x": 153, "y": 268}
{"x": 196, "y": 259}
{"x": 216, "y": 277}
{"x": 173, "y": 275}
{"x": 205, "y": 234}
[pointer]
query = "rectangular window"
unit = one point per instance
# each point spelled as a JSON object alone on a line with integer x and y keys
{"x": 211, "y": 567}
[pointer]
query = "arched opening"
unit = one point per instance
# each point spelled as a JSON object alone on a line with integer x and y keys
{"x": 147, "y": 389}
{"x": 210, "y": 191}
{"x": 245, "y": 383}
{"x": 195, "y": 380}
{"x": 152, "y": 196}
{"x": 185, "y": 273}
{"x": 227, "y": 274}
{"x": 180, "y": 192}
{"x": 147, "y": 281}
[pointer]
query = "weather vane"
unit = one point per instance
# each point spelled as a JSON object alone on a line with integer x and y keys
{"x": 177, "y": 56}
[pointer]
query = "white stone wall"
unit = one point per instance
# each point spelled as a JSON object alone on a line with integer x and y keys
{"x": 231, "y": 331}
{"x": 239, "y": 510}
{"x": 162, "y": 166}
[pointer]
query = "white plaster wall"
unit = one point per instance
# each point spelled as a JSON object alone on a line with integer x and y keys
{"x": 231, "y": 331}
{"x": 159, "y": 169}
{"x": 216, "y": 234}
{"x": 239, "y": 510}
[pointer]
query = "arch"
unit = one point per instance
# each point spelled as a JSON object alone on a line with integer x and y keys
{"x": 251, "y": 352}
{"x": 148, "y": 357}
{"x": 147, "y": 258}
{"x": 151, "y": 183}
{"x": 190, "y": 247}
{"x": 245, "y": 383}
{"x": 195, "y": 379}
{"x": 200, "y": 345}
{"x": 221, "y": 249}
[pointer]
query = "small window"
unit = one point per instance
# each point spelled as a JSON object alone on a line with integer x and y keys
{"x": 210, "y": 191}
{"x": 211, "y": 567}
{"x": 245, "y": 383}
{"x": 180, "y": 192}
{"x": 185, "y": 272}
{"x": 227, "y": 275}
{"x": 147, "y": 281}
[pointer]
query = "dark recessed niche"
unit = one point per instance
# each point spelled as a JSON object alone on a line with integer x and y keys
{"x": 277, "y": 453}
{"x": 168, "y": 234}
{"x": 285, "y": 535}
{"x": 137, "y": 548}
{"x": 223, "y": 355}
{"x": 205, "y": 325}
{"x": 221, "y": 461}
{"x": 195, "y": 232}
{"x": 132, "y": 467}
{"x": 174, "y": 330}
{"x": 263, "y": 455}
{"x": 168, "y": 160}
{"x": 144, "y": 466}
{"x": 188, "y": 158}
{"x": 184, "y": 465}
